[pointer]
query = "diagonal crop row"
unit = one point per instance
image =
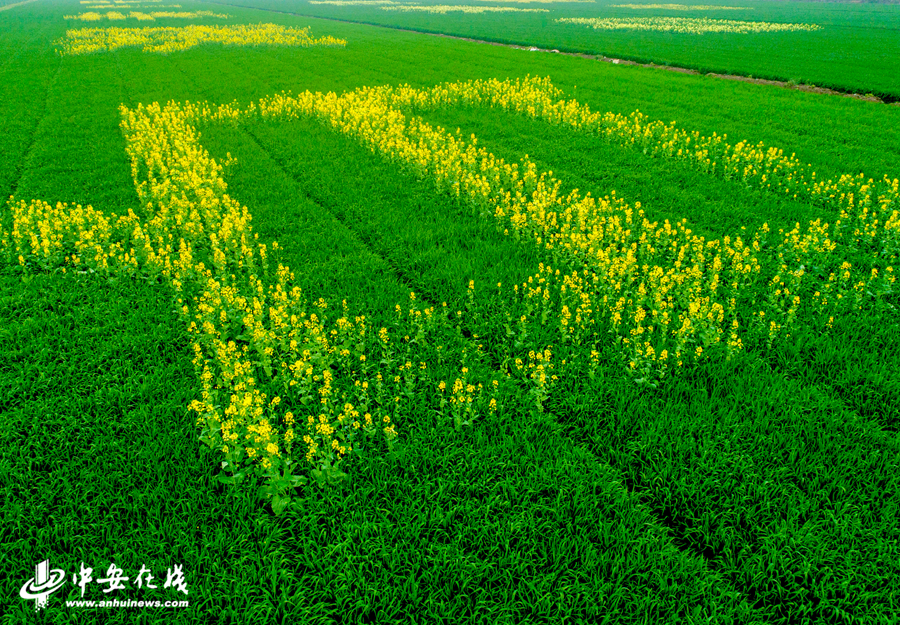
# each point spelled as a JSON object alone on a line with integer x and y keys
{"x": 263, "y": 352}
{"x": 868, "y": 208}
{"x": 665, "y": 296}
{"x": 163, "y": 40}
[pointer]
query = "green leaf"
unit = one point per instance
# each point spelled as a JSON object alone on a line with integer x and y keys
{"x": 337, "y": 476}
{"x": 279, "y": 503}
{"x": 229, "y": 479}
{"x": 265, "y": 491}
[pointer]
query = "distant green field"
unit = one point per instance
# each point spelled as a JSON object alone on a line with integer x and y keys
{"x": 856, "y": 50}
{"x": 530, "y": 459}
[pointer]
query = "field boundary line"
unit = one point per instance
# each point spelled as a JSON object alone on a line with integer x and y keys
{"x": 808, "y": 88}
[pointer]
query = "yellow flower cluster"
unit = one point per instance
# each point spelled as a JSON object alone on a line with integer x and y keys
{"x": 666, "y": 294}
{"x": 542, "y": 1}
{"x": 170, "y": 39}
{"x": 679, "y": 7}
{"x": 347, "y": 3}
{"x": 144, "y": 17}
{"x": 128, "y": 4}
{"x": 76, "y": 235}
{"x": 663, "y": 294}
{"x": 191, "y": 233}
{"x": 536, "y": 369}
{"x": 686, "y": 25}
{"x": 446, "y": 8}
{"x": 462, "y": 399}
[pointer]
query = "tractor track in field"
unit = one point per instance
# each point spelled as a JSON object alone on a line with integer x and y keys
{"x": 22, "y": 165}
{"x": 596, "y": 57}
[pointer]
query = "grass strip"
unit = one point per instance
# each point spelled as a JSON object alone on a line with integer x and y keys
{"x": 82, "y": 123}
{"x": 562, "y": 538}
{"x": 28, "y": 75}
{"x": 762, "y": 477}
{"x": 529, "y": 204}
{"x": 696, "y": 509}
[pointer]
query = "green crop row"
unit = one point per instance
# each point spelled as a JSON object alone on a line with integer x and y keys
{"x": 857, "y": 41}
{"x": 730, "y": 493}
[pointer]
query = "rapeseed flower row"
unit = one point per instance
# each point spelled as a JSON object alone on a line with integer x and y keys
{"x": 685, "y": 25}
{"x": 542, "y": 1}
{"x": 680, "y": 7}
{"x": 446, "y": 8}
{"x": 131, "y": 6}
{"x": 347, "y": 3}
{"x": 171, "y": 39}
{"x": 286, "y": 381}
{"x": 666, "y": 295}
{"x": 144, "y": 17}
{"x": 869, "y": 218}
{"x": 333, "y": 375}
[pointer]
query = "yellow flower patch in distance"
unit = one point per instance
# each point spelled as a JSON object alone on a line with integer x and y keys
{"x": 461, "y": 8}
{"x": 679, "y": 7}
{"x": 145, "y": 17}
{"x": 541, "y": 1}
{"x": 170, "y": 39}
{"x": 342, "y": 3}
{"x": 685, "y": 25}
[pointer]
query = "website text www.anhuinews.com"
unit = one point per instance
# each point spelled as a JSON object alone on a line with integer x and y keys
{"x": 128, "y": 603}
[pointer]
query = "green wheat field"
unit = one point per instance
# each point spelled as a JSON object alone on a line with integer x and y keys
{"x": 309, "y": 315}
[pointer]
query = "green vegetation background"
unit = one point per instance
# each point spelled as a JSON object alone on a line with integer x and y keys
{"x": 762, "y": 491}
{"x": 857, "y": 50}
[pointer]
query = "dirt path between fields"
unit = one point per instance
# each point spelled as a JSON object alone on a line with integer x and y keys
{"x": 596, "y": 57}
